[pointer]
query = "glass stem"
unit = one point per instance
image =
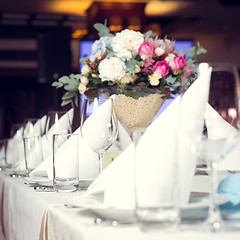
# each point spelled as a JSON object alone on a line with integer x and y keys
{"x": 101, "y": 157}
{"x": 214, "y": 215}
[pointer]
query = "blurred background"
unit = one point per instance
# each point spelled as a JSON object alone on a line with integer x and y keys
{"x": 42, "y": 40}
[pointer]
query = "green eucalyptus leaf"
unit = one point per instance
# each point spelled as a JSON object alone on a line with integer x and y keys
{"x": 176, "y": 84}
{"x": 57, "y": 84}
{"x": 170, "y": 79}
{"x": 109, "y": 54}
{"x": 191, "y": 52}
{"x": 103, "y": 34}
{"x": 149, "y": 33}
{"x": 68, "y": 95}
{"x": 189, "y": 61}
{"x": 101, "y": 27}
{"x": 181, "y": 53}
{"x": 83, "y": 60}
{"x": 70, "y": 87}
{"x": 103, "y": 31}
{"x": 77, "y": 76}
{"x": 66, "y": 102}
{"x": 200, "y": 51}
{"x": 64, "y": 79}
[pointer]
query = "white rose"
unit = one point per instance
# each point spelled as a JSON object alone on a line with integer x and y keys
{"x": 81, "y": 88}
{"x": 111, "y": 69}
{"x": 169, "y": 57}
{"x": 98, "y": 55}
{"x": 159, "y": 51}
{"x": 154, "y": 78}
{"x": 85, "y": 70}
{"x": 125, "y": 44}
{"x": 137, "y": 69}
{"x": 84, "y": 80}
{"x": 128, "y": 79}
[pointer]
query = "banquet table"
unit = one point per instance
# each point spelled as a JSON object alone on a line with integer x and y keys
{"x": 27, "y": 214}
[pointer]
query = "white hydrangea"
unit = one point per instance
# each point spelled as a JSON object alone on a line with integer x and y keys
{"x": 111, "y": 69}
{"x": 126, "y": 43}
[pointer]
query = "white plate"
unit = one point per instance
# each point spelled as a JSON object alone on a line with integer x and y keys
{"x": 196, "y": 208}
{"x": 17, "y": 172}
{"x": 43, "y": 181}
{"x": 219, "y": 170}
{"x": 85, "y": 183}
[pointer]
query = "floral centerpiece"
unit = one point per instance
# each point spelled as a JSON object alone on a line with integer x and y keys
{"x": 140, "y": 69}
{"x": 128, "y": 59}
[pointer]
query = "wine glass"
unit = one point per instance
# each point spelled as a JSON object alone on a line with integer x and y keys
{"x": 99, "y": 125}
{"x": 221, "y": 134}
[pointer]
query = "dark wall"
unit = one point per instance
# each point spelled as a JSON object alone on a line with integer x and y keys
{"x": 30, "y": 60}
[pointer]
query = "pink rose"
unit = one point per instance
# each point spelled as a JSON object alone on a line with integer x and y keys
{"x": 161, "y": 67}
{"x": 177, "y": 63}
{"x": 146, "y": 49}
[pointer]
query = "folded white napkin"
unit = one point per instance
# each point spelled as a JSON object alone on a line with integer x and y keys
{"x": 63, "y": 123}
{"x": 15, "y": 151}
{"x": 88, "y": 160}
{"x": 158, "y": 147}
{"x": 36, "y": 128}
{"x": 18, "y": 133}
{"x": 47, "y": 144}
{"x": 219, "y": 128}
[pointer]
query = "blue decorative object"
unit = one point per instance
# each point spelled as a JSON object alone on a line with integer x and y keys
{"x": 231, "y": 189}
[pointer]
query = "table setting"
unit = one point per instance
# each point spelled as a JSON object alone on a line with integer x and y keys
{"x": 173, "y": 175}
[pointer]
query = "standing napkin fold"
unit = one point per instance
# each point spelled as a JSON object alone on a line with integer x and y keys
{"x": 41, "y": 170}
{"x": 219, "y": 128}
{"x": 88, "y": 161}
{"x": 15, "y": 150}
{"x": 116, "y": 182}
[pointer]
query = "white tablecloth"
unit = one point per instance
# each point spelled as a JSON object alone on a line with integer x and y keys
{"x": 22, "y": 209}
{"x": 30, "y": 215}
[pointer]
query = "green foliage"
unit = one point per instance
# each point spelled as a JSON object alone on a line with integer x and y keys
{"x": 200, "y": 50}
{"x": 191, "y": 52}
{"x": 130, "y": 67}
{"x": 83, "y": 60}
{"x": 181, "y": 53}
{"x": 103, "y": 31}
{"x": 70, "y": 84}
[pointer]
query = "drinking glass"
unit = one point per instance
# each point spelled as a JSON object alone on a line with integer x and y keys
{"x": 99, "y": 125}
{"x": 32, "y": 127}
{"x": 3, "y": 154}
{"x": 65, "y": 167}
{"x": 156, "y": 207}
{"x": 32, "y": 152}
{"x": 219, "y": 138}
{"x": 57, "y": 122}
